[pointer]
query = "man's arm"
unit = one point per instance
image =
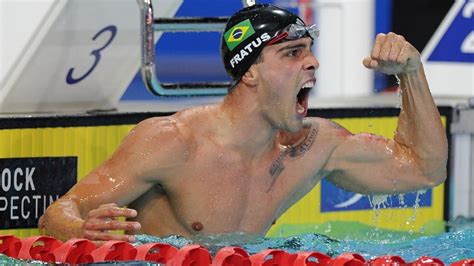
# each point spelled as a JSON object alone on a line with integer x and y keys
{"x": 90, "y": 209}
{"x": 417, "y": 156}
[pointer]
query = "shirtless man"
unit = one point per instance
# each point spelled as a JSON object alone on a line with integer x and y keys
{"x": 238, "y": 165}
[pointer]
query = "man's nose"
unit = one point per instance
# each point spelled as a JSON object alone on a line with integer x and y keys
{"x": 311, "y": 63}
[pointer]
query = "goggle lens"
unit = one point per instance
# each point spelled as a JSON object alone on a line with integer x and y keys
{"x": 294, "y": 32}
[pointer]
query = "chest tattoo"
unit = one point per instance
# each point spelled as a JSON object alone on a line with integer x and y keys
{"x": 305, "y": 145}
{"x": 277, "y": 165}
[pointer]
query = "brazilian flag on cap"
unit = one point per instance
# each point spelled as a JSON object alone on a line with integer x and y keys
{"x": 238, "y": 33}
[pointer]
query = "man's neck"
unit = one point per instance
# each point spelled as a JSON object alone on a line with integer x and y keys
{"x": 243, "y": 127}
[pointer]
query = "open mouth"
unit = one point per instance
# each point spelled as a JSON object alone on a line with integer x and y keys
{"x": 302, "y": 98}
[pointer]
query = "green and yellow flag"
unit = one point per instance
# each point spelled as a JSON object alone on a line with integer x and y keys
{"x": 238, "y": 33}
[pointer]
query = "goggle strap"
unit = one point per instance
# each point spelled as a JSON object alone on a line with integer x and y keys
{"x": 278, "y": 38}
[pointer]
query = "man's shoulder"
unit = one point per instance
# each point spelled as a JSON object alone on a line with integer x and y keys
{"x": 158, "y": 139}
{"x": 163, "y": 131}
{"x": 180, "y": 128}
{"x": 328, "y": 129}
{"x": 158, "y": 126}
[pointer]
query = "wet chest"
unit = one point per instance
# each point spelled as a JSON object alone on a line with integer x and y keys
{"x": 224, "y": 193}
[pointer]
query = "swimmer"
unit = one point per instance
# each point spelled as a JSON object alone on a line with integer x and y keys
{"x": 236, "y": 166}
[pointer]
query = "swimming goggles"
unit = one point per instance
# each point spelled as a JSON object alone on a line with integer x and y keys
{"x": 294, "y": 32}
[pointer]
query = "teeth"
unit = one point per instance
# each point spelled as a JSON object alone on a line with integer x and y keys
{"x": 308, "y": 85}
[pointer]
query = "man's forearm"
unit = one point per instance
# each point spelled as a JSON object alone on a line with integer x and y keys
{"x": 62, "y": 220}
{"x": 419, "y": 127}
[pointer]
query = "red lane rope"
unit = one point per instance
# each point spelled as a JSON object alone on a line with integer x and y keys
{"x": 80, "y": 251}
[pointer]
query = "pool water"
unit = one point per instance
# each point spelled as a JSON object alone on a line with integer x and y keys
{"x": 449, "y": 246}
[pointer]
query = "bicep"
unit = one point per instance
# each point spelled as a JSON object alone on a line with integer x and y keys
{"x": 368, "y": 163}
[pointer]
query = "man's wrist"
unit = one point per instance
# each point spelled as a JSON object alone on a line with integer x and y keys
{"x": 412, "y": 72}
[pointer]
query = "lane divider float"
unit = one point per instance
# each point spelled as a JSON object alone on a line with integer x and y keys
{"x": 83, "y": 251}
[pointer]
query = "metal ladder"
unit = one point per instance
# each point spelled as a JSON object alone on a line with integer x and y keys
{"x": 149, "y": 24}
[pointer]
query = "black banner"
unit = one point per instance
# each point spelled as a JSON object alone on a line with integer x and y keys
{"x": 29, "y": 185}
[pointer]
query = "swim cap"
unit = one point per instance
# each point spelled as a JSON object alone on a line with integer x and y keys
{"x": 252, "y": 28}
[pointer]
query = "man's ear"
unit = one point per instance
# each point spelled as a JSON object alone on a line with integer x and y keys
{"x": 250, "y": 77}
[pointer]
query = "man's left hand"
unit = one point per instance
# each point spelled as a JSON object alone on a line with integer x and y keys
{"x": 392, "y": 54}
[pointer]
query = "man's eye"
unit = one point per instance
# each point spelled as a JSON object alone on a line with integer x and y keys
{"x": 293, "y": 53}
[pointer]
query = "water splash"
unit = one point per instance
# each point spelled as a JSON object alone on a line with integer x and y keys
{"x": 412, "y": 218}
{"x": 400, "y": 91}
{"x": 378, "y": 202}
